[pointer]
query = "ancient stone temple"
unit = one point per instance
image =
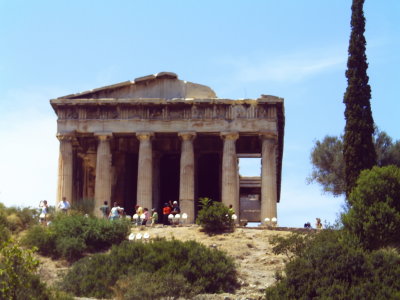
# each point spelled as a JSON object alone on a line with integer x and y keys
{"x": 158, "y": 139}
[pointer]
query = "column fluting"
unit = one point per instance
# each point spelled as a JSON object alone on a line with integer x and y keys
{"x": 145, "y": 171}
{"x": 65, "y": 168}
{"x": 103, "y": 173}
{"x": 268, "y": 176}
{"x": 230, "y": 176}
{"x": 186, "y": 183}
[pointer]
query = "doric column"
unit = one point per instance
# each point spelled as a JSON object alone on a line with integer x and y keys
{"x": 65, "y": 168}
{"x": 230, "y": 176}
{"x": 145, "y": 170}
{"x": 102, "y": 190}
{"x": 268, "y": 176}
{"x": 156, "y": 179}
{"x": 186, "y": 186}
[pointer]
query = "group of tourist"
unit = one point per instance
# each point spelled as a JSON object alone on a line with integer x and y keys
{"x": 63, "y": 206}
{"x": 318, "y": 224}
{"x": 142, "y": 215}
{"x": 168, "y": 209}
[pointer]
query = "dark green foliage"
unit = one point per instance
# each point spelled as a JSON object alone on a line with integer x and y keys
{"x": 71, "y": 236}
{"x": 328, "y": 165}
{"x": 328, "y": 162}
{"x": 71, "y": 248}
{"x": 328, "y": 268}
{"x": 358, "y": 149}
{"x": 18, "y": 278}
{"x": 206, "y": 270}
{"x": 292, "y": 245}
{"x": 214, "y": 217}
{"x": 355, "y": 262}
{"x": 4, "y": 233}
{"x": 374, "y": 217}
{"x": 42, "y": 238}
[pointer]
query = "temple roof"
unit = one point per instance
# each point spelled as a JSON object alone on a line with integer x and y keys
{"x": 163, "y": 85}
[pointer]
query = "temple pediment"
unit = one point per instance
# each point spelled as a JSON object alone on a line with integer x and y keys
{"x": 163, "y": 85}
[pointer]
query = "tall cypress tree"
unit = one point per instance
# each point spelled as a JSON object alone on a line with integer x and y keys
{"x": 358, "y": 148}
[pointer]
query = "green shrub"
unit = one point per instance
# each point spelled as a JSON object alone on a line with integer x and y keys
{"x": 292, "y": 245}
{"x": 4, "y": 233}
{"x": 71, "y": 236}
{"x": 374, "y": 217}
{"x": 101, "y": 233}
{"x": 14, "y": 222}
{"x": 331, "y": 269}
{"x": 70, "y": 248}
{"x": 17, "y": 219}
{"x": 214, "y": 217}
{"x": 18, "y": 279}
{"x": 41, "y": 237}
{"x": 153, "y": 286}
{"x": 206, "y": 270}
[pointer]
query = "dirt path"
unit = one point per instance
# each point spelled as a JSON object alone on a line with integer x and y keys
{"x": 256, "y": 264}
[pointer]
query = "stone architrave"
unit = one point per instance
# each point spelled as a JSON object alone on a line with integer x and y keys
{"x": 268, "y": 179}
{"x": 103, "y": 172}
{"x": 230, "y": 176}
{"x": 145, "y": 171}
{"x": 65, "y": 168}
{"x": 186, "y": 186}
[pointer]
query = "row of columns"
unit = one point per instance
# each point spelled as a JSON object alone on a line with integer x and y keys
{"x": 230, "y": 175}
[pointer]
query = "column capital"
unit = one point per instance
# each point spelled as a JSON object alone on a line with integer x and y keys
{"x": 103, "y": 136}
{"x": 65, "y": 136}
{"x": 268, "y": 136}
{"x": 187, "y": 135}
{"x": 230, "y": 135}
{"x": 145, "y": 135}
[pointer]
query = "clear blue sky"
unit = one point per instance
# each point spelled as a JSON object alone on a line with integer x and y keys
{"x": 242, "y": 49}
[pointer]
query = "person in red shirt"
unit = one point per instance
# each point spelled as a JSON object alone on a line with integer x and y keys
{"x": 166, "y": 212}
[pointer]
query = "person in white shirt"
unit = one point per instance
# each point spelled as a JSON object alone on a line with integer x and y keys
{"x": 64, "y": 205}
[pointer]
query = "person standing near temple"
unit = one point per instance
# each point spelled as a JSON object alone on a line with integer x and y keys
{"x": 146, "y": 216}
{"x": 175, "y": 208}
{"x": 44, "y": 210}
{"x": 105, "y": 209}
{"x": 318, "y": 223}
{"x": 114, "y": 213}
{"x": 139, "y": 212}
{"x": 154, "y": 217}
{"x": 166, "y": 212}
{"x": 231, "y": 210}
{"x": 64, "y": 205}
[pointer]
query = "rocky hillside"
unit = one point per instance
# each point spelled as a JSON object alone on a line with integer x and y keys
{"x": 250, "y": 247}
